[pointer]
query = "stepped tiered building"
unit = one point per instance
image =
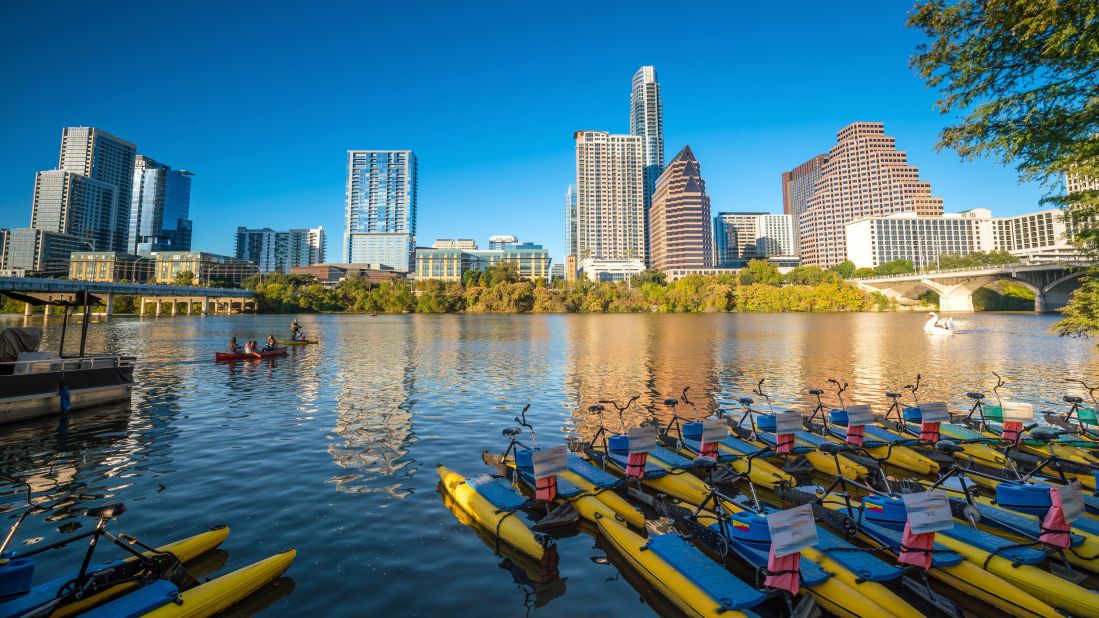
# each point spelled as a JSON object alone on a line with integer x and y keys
{"x": 679, "y": 220}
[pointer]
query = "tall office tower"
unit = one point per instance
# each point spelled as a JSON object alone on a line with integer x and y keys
{"x": 647, "y": 122}
{"x": 865, "y": 176}
{"x": 742, "y": 236}
{"x": 679, "y": 220}
{"x": 570, "y": 221}
{"x": 159, "y": 209}
{"x": 381, "y": 208}
{"x": 108, "y": 159}
{"x": 75, "y": 205}
{"x": 797, "y": 187}
{"x": 305, "y": 247}
{"x": 610, "y": 208}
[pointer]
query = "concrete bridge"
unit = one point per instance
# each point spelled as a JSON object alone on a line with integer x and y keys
{"x": 1052, "y": 283}
{"x": 176, "y": 296}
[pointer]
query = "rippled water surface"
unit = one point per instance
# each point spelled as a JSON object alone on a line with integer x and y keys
{"x": 332, "y": 449}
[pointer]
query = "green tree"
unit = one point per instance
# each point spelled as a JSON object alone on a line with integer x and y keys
{"x": 845, "y": 269}
{"x": 1023, "y": 80}
{"x": 896, "y": 267}
{"x": 864, "y": 272}
{"x": 184, "y": 278}
{"x": 1079, "y": 317}
{"x": 811, "y": 275}
{"x": 648, "y": 275}
{"x": 760, "y": 271}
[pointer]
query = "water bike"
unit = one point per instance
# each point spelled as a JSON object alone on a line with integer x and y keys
{"x": 736, "y": 532}
{"x": 589, "y": 490}
{"x": 297, "y": 342}
{"x": 492, "y": 502}
{"x": 150, "y": 581}
{"x": 832, "y": 423}
{"x": 226, "y": 356}
{"x": 881, "y": 517}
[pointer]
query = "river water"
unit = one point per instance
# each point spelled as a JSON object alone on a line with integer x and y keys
{"x": 332, "y": 450}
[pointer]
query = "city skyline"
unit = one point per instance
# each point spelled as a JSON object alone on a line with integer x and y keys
{"x": 745, "y": 143}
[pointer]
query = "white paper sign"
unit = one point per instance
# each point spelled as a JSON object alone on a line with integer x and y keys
{"x": 714, "y": 430}
{"x": 642, "y": 439}
{"x": 792, "y": 530}
{"x": 860, "y": 415}
{"x": 934, "y": 412}
{"x": 928, "y": 511}
{"x": 788, "y": 421}
{"x": 550, "y": 462}
{"x": 1018, "y": 412}
{"x": 1072, "y": 501}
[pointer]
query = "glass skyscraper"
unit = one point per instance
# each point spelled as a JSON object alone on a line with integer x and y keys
{"x": 160, "y": 208}
{"x": 381, "y": 208}
{"x": 102, "y": 157}
{"x": 570, "y": 221}
{"x": 647, "y": 122}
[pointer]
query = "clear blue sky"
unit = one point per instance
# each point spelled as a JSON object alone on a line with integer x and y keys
{"x": 262, "y": 101}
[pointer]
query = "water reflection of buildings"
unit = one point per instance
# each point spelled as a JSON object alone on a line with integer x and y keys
{"x": 374, "y": 380}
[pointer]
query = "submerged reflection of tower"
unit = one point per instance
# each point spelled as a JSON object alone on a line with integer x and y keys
{"x": 374, "y": 412}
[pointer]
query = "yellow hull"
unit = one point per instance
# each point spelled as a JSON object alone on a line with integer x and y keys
{"x": 672, "y": 584}
{"x": 186, "y": 550}
{"x": 616, "y": 503}
{"x": 764, "y": 473}
{"x": 1040, "y": 584}
{"x": 825, "y": 464}
{"x": 219, "y": 594}
{"x": 839, "y": 599}
{"x": 510, "y": 527}
{"x": 904, "y": 457}
{"x": 877, "y": 593}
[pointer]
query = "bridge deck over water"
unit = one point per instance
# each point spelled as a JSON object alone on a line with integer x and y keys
{"x": 1051, "y": 282}
{"x": 67, "y": 289}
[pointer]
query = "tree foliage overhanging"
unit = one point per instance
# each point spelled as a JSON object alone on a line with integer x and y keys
{"x": 1022, "y": 80}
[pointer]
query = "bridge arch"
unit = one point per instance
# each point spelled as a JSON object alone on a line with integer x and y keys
{"x": 1055, "y": 294}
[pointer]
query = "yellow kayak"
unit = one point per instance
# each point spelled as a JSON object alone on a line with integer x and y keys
{"x": 512, "y": 529}
{"x": 613, "y": 501}
{"x": 219, "y": 594}
{"x": 661, "y": 575}
{"x": 300, "y": 342}
{"x": 186, "y": 550}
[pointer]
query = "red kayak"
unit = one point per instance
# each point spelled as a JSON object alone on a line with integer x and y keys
{"x": 225, "y": 356}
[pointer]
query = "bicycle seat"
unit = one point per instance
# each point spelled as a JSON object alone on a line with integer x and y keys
{"x": 671, "y": 402}
{"x": 1072, "y": 399}
{"x": 975, "y": 395}
{"x": 704, "y": 464}
{"x": 946, "y": 446}
{"x": 1043, "y": 434}
{"x": 511, "y": 432}
{"x": 746, "y": 401}
{"x": 596, "y": 408}
{"x": 893, "y": 395}
{"x": 832, "y": 447}
{"x": 816, "y": 391}
{"x": 107, "y": 511}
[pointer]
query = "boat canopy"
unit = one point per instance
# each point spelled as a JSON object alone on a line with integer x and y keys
{"x": 14, "y": 340}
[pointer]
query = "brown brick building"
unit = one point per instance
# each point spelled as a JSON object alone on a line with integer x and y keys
{"x": 679, "y": 220}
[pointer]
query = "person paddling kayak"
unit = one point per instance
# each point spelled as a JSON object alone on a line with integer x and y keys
{"x": 295, "y": 331}
{"x": 232, "y": 348}
{"x": 271, "y": 345}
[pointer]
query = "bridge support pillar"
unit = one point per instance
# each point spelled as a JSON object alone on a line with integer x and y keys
{"x": 109, "y": 309}
{"x": 141, "y": 305}
{"x": 190, "y": 305}
{"x": 956, "y": 299}
{"x": 159, "y": 308}
{"x": 175, "y": 306}
{"x": 28, "y": 309}
{"x": 205, "y": 306}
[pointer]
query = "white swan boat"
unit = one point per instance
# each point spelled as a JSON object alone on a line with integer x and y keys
{"x": 935, "y": 326}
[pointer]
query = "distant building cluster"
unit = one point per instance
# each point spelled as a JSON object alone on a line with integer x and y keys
{"x": 108, "y": 213}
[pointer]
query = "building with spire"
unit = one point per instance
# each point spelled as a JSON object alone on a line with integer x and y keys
{"x": 679, "y": 219}
{"x": 865, "y": 175}
{"x": 647, "y": 122}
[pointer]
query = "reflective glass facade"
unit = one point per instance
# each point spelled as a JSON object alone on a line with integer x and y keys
{"x": 381, "y": 208}
{"x": 160, "y": 208}
{"x": 33, "y": 252}
{"x": 100, "y": 156}
{"x": 75, "y": 205}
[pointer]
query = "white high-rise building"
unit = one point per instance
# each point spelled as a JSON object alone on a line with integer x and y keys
{"x": 742, "y": 236}
{"x": 610, "y": 206}
{"x": 275, "y": 251}
{"x": 570, "y": 221}
{"x": 381, "y": 208}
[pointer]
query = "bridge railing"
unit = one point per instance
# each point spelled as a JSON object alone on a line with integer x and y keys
{"x": 943, "y": 271}
{"x": 63, "y": 286}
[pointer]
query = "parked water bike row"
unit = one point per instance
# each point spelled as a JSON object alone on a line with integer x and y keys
{"x": 918, "y": 510}
{"x": 146, "y": 581}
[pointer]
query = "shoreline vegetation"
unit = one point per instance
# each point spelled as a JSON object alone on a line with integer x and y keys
{"x": 757, "y": 288}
